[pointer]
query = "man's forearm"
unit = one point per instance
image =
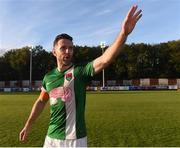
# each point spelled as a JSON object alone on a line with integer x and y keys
{"x": 112, "y": 52}
{"x": 35, "y": 112}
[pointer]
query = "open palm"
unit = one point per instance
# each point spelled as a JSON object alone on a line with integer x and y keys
{"x": 131, "y": 20}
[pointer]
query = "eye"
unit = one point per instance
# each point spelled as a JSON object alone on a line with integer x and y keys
{"x": 70, "y": 48}
{"x": 63, "y": 48}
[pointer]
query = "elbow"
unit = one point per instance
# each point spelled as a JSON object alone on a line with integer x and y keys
{"x": 107, "y": 59}
{"x": 106, "y": 62}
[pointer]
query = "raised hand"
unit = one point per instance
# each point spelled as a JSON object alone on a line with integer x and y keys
{"x": 131, "y": 20}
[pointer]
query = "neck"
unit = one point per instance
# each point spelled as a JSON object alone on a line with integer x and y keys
{"x": 62, "y": 67}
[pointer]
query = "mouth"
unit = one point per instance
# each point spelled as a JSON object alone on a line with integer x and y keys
{"x": 66, "y": 58}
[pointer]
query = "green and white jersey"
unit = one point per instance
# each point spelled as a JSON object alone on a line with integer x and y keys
{"x": 67, "y": 92}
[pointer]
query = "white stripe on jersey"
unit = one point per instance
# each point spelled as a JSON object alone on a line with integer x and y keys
{"x": 70, "y": 107}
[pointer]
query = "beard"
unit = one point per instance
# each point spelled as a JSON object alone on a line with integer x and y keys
{"x": 66, "y": 61}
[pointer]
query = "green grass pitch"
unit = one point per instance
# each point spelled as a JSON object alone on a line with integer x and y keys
{"x": 125, "y": 118}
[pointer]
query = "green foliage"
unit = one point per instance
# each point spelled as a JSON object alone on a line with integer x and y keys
{"x": 85, "y": 54}
{"x": 43, "y": 62}
{"x": 149, "y": 61}
{"x": 134, "y": 61}
{"x": 14, "y": 64}
{"x": 18, "y": 60}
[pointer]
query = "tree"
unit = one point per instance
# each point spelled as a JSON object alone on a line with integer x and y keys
{"x": 19, "y": 60}
{"x": 42, "y": 62}
{"x": 134, "y": 61}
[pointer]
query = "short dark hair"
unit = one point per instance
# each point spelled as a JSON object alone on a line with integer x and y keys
{"x": 62, "y": 36}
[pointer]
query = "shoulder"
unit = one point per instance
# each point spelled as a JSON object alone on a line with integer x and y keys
{"x": 50, "y": 74}
{"x": 84, "y": 69}
{"x": 81, "y": 65}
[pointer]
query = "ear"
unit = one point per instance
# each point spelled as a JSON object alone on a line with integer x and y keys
{"x": 54, "y": 52}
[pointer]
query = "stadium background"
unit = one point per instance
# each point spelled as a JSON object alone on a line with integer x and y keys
{"x": 135, "y": 84}
{"x": 130, "y": 118}
{"x": 114, "y": 118}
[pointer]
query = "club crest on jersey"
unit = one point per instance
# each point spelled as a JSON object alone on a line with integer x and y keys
{"x": 68, "y": 76}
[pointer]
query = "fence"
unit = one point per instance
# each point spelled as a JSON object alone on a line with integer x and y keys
{"x": 135, "y": 84}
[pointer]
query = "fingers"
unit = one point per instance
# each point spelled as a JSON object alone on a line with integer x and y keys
{"x": 22, "y": 136}
{"x": 137, "y": 15}
{"x": 132, "y": 11}
{"x": 132, "y": 14}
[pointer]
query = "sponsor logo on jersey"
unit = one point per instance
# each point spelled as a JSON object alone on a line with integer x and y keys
{"x": 64, "y": 93}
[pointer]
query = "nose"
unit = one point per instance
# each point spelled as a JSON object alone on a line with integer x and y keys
{"x": 67, "y": 50}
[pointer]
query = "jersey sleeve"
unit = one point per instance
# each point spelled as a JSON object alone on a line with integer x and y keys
{"x": 87, "y": 70}
{"x": 43, "y": 88}
{"x": 43, "y": 95}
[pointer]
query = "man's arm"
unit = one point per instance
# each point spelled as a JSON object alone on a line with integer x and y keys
{"x": 112, "y": 52}
{"x": 35, "y": 112}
